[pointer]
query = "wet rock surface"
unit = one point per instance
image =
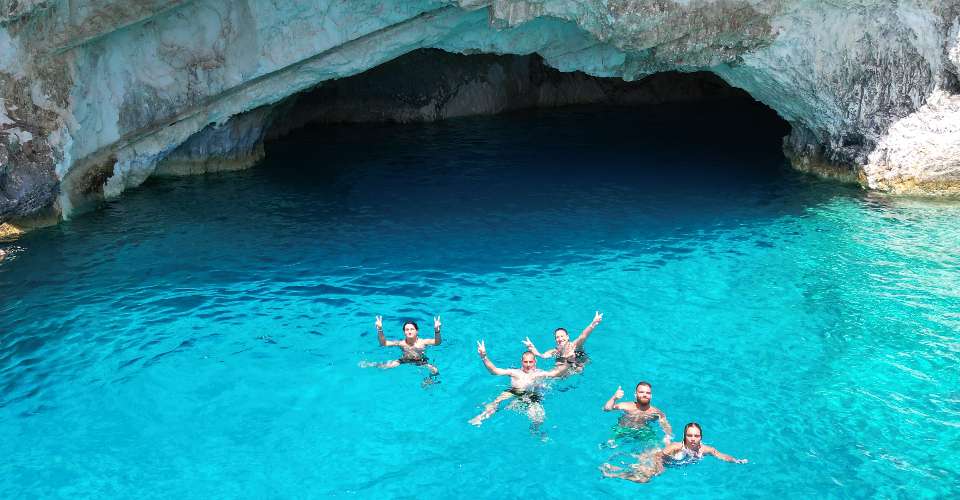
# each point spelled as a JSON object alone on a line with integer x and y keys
{"x": 100, "y": 94}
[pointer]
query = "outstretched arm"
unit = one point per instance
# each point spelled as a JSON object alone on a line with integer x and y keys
{"x": 597, "y": 318}
{"x": 665, "y": 425}
{"x": 710, "y": 450}
{"x": 533, "y": 349}
{"x": 482, "y": 351}
{"x": 612, "y": 402}
{"x": 436, "y": 333}
{"x": 557, "y": 372}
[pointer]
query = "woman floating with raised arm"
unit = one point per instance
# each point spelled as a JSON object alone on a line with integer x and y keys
{"x": 690, "y": 451}
{"x": 568, "y": 354}
{"x": 412, "y": 346}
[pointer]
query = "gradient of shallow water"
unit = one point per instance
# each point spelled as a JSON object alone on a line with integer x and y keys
{"x": 200, "y": 337}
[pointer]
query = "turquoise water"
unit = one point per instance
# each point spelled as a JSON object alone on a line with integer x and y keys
{"x": 200, "y": 337}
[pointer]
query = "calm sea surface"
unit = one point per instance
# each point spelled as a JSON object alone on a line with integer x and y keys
{"x": 200, "y": 337}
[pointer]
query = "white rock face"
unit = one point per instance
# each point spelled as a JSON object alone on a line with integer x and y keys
{"x": 921, "y": 149}
{"x": 107, "y": 89}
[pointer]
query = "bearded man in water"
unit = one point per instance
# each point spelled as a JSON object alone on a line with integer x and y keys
{"x": 637, "y": 415}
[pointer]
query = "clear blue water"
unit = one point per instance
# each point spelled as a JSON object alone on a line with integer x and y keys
{"x": 200, "y": 337}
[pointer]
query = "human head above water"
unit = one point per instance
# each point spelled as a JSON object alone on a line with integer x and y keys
{"x": 528, "y": 361}
{"x": 692, "y": 435}
{"x": 410, "y": 330}
{"x": 561, "y": 335}
{"x": 643, "y": 392}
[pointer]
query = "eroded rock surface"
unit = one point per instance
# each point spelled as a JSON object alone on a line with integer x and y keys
{"x": 100, "y": 94}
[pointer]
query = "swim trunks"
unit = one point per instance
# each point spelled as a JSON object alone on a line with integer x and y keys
{"x": 526, "y": 396}
{"x": 416, "y": 361}
{"x": 643, "y": 434}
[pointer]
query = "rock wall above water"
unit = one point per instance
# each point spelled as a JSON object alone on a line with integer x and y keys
{"x": 97, "y": 95}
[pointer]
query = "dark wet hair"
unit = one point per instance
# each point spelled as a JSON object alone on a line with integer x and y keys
{"x": 643, "y": 382}
{"x": 414, "y": 323}
{"x": 563, "y": 329}
{"x": 691, "y": 424}
{"x": 528, "y": 352}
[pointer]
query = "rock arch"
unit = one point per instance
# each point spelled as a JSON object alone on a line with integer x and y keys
{"x": 98, "y": 93}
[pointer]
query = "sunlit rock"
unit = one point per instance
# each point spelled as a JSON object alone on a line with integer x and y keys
{"x": 99, "y": 95}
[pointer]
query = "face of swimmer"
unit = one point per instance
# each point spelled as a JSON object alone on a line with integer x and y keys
{"x": 410, "y": 330}
{"x": 528, "y": 362}
{"x": 691, "y": 436}
{"x": 561, "y": 336}
{"x": 644, "y": 393}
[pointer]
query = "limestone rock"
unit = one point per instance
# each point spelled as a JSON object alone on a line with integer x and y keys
{"x": 100, "y": 94}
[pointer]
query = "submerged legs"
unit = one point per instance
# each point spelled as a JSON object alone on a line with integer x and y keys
{"x": 385, "y": 365}
{"x": 491, "y": 408}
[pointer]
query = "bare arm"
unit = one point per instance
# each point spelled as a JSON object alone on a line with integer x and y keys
{"x": 533, "y": 349}
{"x": 380, "y": 337}
{"x": 436, "y": 333}
{"x": 612, "y": 402}
{"x": 671, "y": 448}
{"x": 557, "y": 372}
{"x": 665, "y": 425}
{"x": 482, "y": 351}
{"x": 383, "y": 340}
{"x": 597, "y": 318}
{"x": 710, "y": 450}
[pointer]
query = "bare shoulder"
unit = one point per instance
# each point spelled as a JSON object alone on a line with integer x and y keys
{"x": 672, "y": 447}
{"x": 707, "y": 449}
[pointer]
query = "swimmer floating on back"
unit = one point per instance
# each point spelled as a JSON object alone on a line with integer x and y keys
{"x": 526, "y": 384}
{"x": 568, "y": 354}
{"x": 690, "y": 451}
{"x": 412, "y": 346}
{"x": 638, "y": 414}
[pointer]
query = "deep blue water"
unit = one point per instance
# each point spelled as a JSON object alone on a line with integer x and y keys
{"x": 200, "y": 337}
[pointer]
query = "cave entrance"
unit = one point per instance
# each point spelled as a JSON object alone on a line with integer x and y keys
{"x": 678, "y": 124}
{"x": 430, "y": 85}
{"x": 502, "y": 109}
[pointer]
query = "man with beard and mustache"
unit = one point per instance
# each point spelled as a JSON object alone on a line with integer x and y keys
{"x": 637, "y": 415}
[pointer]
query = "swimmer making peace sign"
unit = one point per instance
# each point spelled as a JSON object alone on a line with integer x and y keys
{"x": 412, "y": 346}
{"x": 526, "y": 384}
{"x": 569, "y": 355}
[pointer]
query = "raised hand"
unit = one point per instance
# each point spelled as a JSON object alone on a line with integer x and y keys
{"x": 619, "y": 393}
{"x": 379, "y": 323}
{"x": 597, "y": 318}
{"x": 529, "y": 344}
{"x": 481, "y": 349}
{"x": 436, "y": 323}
